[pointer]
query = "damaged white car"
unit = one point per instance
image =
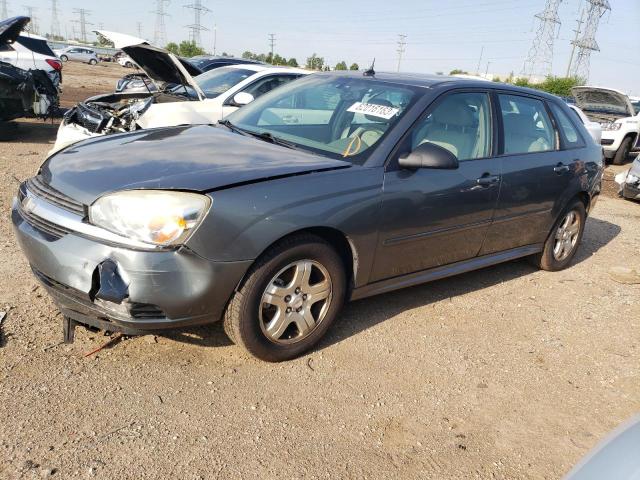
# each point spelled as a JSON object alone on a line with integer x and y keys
{"x": 619, "y": 118}
{"x": 178, "y": 99}
{"x": 629, "y": 181}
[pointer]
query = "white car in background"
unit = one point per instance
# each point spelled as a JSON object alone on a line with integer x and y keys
{"x": 31, "y": 52}
{"x": 126, "y": 61}
{"x": 78, "y": 54}
{"x": 594, "y": 128}
{"x": 618, "y": 117}
{"x": 180, "y": 99}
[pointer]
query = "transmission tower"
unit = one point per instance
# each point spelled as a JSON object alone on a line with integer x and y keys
{"x": 55, "y": 21}
{"x": 586, "y": 44}
{"x": 402, "y": 43}
{"x": 196, "y": 27}
{"x": 33, "y": 24}
{"x": 5, "y": 10}
{"x": 160, "y": 33}
{"x": 539, "y": 61}
{"x": 82, "y": 21}
{"x": 272, "y": 43}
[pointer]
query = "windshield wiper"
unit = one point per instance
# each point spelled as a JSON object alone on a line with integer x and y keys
{"x": 233, "y": 128}
{"x": 266, "y": 136}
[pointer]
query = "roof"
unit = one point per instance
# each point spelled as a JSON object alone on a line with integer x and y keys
{"x": 258, "y": 67}
{"x": 425, "y": 80}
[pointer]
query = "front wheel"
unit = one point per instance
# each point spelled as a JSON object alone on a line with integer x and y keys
{"x": 64, "y": 58}
{"x": 289, "y": 299}
{"x": 623, "y": 152}
{"x": 93, "y": 61}
{"x": 564, "y": 239}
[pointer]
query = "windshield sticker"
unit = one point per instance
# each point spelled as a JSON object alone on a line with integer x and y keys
{"x": 381, "y": 111}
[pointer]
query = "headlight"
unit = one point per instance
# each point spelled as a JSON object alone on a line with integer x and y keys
{"x": 153, "y": 216}
{"x": 611, "y": 126}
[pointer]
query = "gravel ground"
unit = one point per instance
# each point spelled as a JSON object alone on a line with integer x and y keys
{"x": 508, "y": 372}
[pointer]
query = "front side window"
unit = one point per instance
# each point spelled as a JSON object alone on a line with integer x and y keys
{"x": 570, "y": 134}
{"x": 216, "y": 82}
{"x": 460, "y": 123}
{"x": 340, "y": 117}
{"x": 527, "y": 126}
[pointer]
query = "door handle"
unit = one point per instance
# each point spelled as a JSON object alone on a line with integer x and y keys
{"x": 561, "y": 168}
{"x": 488, "y": 180}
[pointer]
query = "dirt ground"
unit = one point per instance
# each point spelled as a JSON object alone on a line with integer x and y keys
{"x": 505, "y": 373}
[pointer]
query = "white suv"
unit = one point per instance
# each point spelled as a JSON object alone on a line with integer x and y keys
{"x": 31, "y": 52}
{"x": 619, "y": 117}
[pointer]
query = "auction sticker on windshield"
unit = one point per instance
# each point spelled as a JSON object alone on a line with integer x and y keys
{"x": 381, "y": 111}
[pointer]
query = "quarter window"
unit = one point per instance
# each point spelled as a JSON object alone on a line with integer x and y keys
{"x": 571, "y": 136}
{"x": 527, "y": 126}
{"x": 461, "y": 123}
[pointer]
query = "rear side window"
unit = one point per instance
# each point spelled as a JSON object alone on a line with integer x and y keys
{"x": 267, "y": 84}
{"x": 527, "y": 126}
{"x": 570, "y": 135}
{"x": 36, "y": 45}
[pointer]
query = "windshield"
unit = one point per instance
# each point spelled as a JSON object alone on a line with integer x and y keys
{"x": 340, "y": 117}
{"x": 218, "y": 81}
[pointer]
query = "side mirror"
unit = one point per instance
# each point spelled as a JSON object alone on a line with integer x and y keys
{"x": 242, "y": 98}
{"x": 429, "y": 155}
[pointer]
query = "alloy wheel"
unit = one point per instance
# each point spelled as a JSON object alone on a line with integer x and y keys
{"x": 566, "y": 236}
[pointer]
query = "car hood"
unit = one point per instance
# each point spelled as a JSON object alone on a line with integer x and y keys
{"x": 193, "y": 158}
{"x": 604, "y": 100}
{"x": 11, "y": 27}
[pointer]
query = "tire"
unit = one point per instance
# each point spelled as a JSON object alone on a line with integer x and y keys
{"x": 128, "y": 65}
{"x": 272, "y": 333}
{"x": 64, "y": 58}
{"x": 551, "y": 259}
{"x": 93, "y": 61}
{"x": 623, "y": 152}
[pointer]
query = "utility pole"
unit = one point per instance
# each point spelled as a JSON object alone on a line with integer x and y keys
{"x": 5, "y": 10}
{"x": 401, "y": 48}
{"x": 55, "y": 21}
{"x": 160, "y": 33}
{"x": 574, "y": 42}
{"x": 272, "y": 43}
{"x": 480, "y": 60}
{"x": 82, "y": 21}
{"x": 33, "y": 25}
{"x": 196, "y": 27}
{"x": 587, "y": 44}
{"x": 486, "y": 72}
{"x": 215, "y": 37}
{"x": 139, "y": 28}
{"x": 539, "y": 61}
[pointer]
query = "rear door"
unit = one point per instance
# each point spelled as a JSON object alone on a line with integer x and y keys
{"x": 536, "y": 172}
{"x": 434, "y": 217}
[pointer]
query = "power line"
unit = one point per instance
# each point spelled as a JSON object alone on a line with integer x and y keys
{"x": 272, "y": 43}
{"x": 82, "y": 21}
{"x": 55, "y": 21}
{"x": 587, "y": 44}
{"x": 539, "y": 61}
{"x": 401, "y": 48}
{"x": 196, "y": 27}
{"x": 33, "y": 24}
{"x": 160, "y": 32}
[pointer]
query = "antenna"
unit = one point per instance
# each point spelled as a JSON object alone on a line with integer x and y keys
{"x": 272, "y": 43}
{"x": 83, "y": 13}
{"x": 401, "y": 48}
{"x": 539, "y": 61}
{"x": 196, "y": 27}
{"x": 587, "y": 44}
{"x": 370, "y": 72}
{"x": 160, "y": 33}
{"x": 55, "y": 21}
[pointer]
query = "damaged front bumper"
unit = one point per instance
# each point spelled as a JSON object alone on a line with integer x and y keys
{"x": 629, "y": 181}
{"x": 122, "y": 289}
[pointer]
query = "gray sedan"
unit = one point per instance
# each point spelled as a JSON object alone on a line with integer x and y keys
{"x": 77, "y": 54}
{"x": 334, "y": 187}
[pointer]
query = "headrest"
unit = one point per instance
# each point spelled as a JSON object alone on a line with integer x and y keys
{"x": 454, "y": 111}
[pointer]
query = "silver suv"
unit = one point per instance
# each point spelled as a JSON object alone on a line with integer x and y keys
{"x": 77, "y": 54}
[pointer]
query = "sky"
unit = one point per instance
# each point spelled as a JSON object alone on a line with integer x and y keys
{"x": 441, "y": 35}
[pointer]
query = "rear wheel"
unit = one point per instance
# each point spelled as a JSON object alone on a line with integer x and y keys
{"x": 290, "y": 298}
{"x": 64, "y": 58}
{"x": 93, "y": 61}
{"x": 623, "y": 152}
{"x": 564, "y": 239}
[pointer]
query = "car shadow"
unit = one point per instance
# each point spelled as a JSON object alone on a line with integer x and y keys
{"x": 363, "y": 314}
{"x": 29, "y": 131}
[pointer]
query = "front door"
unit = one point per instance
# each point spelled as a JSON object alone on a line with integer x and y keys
{"x": 437, "y": 217}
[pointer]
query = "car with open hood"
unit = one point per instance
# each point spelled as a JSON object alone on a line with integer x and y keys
{"x": 23, "y": 92}
{"x": 178, "y": 98}
{"x": 619, "y": 118}
{"x": 336, "y": 186}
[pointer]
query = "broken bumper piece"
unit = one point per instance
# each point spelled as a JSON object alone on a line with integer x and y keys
{"x": 125, "y": 290}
